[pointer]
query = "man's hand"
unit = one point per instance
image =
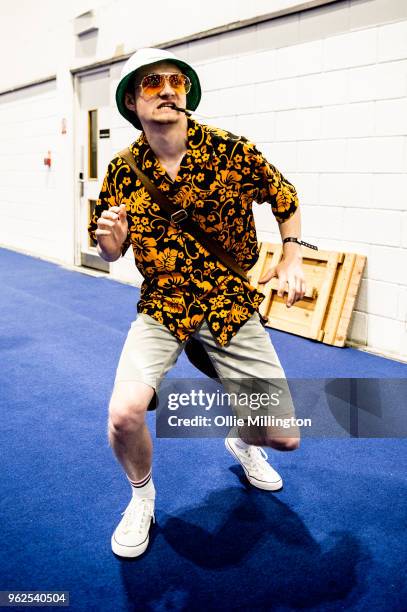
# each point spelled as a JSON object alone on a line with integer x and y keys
{"x": 112, "y": 231}
{"x": 290, "y": 271}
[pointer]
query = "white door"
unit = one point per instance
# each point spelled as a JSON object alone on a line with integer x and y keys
{"x": 93, "y": 153}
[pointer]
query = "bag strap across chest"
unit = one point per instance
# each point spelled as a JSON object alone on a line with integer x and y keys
{"x": 182, "y": 219}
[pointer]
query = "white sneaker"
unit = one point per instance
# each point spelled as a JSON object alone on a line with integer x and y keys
{"x": 254, "y": 462}
{"x": 130, "y": 539}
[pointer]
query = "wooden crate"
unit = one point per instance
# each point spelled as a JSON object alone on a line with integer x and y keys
{"x": 332, "y": 282}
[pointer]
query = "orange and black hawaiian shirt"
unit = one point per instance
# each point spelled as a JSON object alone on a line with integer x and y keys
{"x": 219, "y": 178}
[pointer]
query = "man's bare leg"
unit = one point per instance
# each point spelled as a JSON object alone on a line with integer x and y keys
{"x": 131, "y": 442}
{"x": 128, "y": 433}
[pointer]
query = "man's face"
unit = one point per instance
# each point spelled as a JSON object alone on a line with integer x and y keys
{"x": 155, "y": 109}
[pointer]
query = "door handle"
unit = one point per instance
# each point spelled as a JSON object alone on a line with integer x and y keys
{"x": 81, "y": 183}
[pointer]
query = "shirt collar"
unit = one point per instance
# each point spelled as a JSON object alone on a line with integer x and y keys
{"x": 199, "y": 148}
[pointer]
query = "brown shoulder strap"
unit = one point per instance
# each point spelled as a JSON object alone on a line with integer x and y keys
{"x": 180, "y": 216}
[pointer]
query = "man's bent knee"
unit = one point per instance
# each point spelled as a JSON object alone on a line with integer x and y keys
{"x": 128, "y": 406}
{"x": 125, "y": 419}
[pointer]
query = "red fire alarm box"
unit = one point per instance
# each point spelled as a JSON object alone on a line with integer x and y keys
{"x": 47, "y": 159}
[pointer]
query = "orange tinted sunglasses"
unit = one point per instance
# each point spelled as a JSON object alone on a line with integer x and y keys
{"x": 152, "y": 84}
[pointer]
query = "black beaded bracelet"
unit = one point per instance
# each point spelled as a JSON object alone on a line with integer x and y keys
{"x": 307, "y": 244}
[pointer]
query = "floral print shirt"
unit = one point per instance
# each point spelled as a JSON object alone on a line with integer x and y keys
{"x": 219, "y": 178}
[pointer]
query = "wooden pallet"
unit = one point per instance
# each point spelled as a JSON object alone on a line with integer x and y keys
{"x": 332, "y": 281}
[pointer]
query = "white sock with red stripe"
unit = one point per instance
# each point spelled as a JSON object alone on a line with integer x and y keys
{"x": 144, "y": 488}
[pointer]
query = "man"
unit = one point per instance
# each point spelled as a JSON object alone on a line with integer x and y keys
{"x": 214, "y": 176}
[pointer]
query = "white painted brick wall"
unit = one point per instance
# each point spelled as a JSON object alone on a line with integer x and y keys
{"x": 261, "y": 67}
{"x": 391, "y": 117}
{"x": 287, "y": 123}
{"x": 275, "y": 95}
{"x": 402, "y": 304}
{"x": 319, "y": 221}
{"x": 370, "y": 298}
{"x": 387, "y": 263}
{"x": 257, "y": 127}
{"x": 350, "y": 49}
{"x": 333, "y": 88}
{"x": 298, "y": 60}
{"x": 385, "y": 334}
{"x": 283, "y": 155}
{"x": 29, "y": 195}
{"x": 386, "y": 154}
{"x": 392, "y": 42}
{"x": 358, "y": 328}
{"x": 340, "y": 126}
{"x": 308, "y": 123}
{"x": 390, "y": 80}
{"x": 374, "y": 226}
{"x": 346, "y": 188}
{"x": 355, "y": 120}
{"x": 404, "y": 227}
{"x": 307, "y": 186}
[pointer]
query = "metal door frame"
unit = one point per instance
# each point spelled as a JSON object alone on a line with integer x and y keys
{"x": 80, "y": 258}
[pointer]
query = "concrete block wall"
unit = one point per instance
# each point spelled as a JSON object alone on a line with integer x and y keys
{"x": 329, "y": 108}
{"x": 119, "y": 27}
{"x": 28, "y": 188}
{"x": 36, "y": 201}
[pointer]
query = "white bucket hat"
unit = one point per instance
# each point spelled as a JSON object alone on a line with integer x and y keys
{"x": 144, "y": 57}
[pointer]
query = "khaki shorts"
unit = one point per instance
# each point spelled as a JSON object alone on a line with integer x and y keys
{"x": 150, "y": 351}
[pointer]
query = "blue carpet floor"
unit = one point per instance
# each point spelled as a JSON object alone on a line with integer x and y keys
{"x": 333, "y": 539}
